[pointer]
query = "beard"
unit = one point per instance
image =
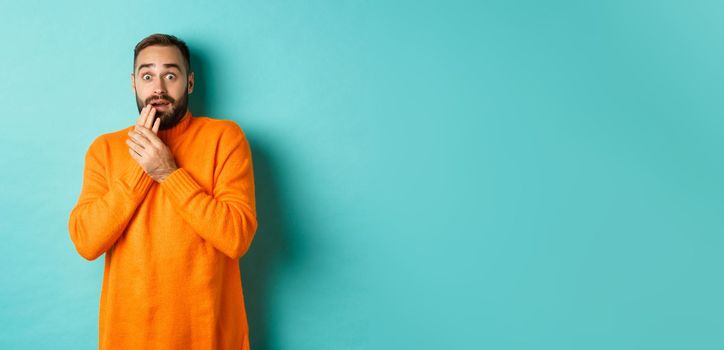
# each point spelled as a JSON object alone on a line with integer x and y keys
{"x": 171, "y": 117}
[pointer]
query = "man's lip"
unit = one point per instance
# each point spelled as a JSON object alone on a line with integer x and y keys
{"x": 156, "y": 102}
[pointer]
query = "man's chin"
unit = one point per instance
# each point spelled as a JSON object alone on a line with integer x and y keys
{"x": 165, "y": 118}
{"x": 169, "y": 119}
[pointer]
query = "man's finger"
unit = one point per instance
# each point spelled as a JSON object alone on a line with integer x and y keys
{"x": 139, "y": 138}
{"x": 135, "y": 147}
{"x": 133, "y": 154}
{"x": 156, "y": 125}
{"x": 149, "y": 118}
{"x": 142, "y": 117}
{"x": 138, "y": 120}
{"x": 151, "y": 137}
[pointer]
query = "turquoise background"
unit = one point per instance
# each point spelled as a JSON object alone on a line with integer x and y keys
{"x": 430, "y": 175}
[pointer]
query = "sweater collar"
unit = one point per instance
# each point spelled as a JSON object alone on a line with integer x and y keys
{"x": 178, "y": 129}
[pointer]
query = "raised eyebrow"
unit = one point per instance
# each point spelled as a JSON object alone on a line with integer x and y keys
{"x": 172, "y": 65}
{"x": 145, "y": 65}
{"x": 166, "y": 65}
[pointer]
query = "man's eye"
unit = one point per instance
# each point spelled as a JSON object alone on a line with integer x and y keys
{"x": 171, "y": 76}
{"x": 146, "y": 77}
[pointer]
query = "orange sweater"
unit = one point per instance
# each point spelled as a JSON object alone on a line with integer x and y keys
{"x": 171, "y": 277}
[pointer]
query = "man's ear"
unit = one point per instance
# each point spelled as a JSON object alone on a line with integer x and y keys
{"x": 133, "y": 82}
{"x": 191, "y": 83}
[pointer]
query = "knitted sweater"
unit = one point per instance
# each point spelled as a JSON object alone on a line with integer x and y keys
{"x": 171, "y": 278}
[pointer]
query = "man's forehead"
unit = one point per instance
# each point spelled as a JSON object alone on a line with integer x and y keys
{"x": 166, "y": 56}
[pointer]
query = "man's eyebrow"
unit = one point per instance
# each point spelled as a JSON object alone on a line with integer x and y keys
{"x": 166, "y": 65}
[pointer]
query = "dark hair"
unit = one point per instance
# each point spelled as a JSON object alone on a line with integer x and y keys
{"x": 163, "y": 40}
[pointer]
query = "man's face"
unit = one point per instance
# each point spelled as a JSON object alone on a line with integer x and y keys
{"x": 160, "y": 79}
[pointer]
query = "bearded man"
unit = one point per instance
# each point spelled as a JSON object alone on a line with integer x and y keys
{"x": 170, "y": 201}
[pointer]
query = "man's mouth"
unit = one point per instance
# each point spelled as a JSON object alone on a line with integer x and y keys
{"x": 160, "y": 104}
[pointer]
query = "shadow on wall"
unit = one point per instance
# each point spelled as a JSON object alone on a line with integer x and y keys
{"x": 270, "y": 248}
{"x": 199, "y": 98}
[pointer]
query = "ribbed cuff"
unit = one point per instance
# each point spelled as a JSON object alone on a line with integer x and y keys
{"x": 180, "y": 185}
{"x": 134, "y": 180}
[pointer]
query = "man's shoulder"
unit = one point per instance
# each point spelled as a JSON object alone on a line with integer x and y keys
{"x": 120, "y": 134}
{"x": 111, "y": 138}
{"x": 217, "y": 123}
{"x": 224, "y": 128}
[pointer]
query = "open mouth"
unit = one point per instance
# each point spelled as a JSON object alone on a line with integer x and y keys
{"x": 160, "y": 104}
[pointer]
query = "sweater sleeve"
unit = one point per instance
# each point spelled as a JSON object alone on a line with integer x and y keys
{"x": 226, "y": 218}
{"x": 105, "y": 208}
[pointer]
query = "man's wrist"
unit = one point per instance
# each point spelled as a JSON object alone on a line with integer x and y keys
{"x": 166, "y": 174}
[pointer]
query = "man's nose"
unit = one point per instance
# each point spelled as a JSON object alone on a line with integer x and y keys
{"x": 159, "y": 87}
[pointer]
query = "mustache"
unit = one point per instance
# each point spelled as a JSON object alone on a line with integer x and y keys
{"x": 161, "y": 97}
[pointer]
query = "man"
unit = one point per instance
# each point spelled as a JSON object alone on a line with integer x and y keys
{"x": 170, "y": 201}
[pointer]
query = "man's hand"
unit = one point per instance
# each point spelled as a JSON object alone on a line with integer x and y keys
{"x": 147, "y": 149}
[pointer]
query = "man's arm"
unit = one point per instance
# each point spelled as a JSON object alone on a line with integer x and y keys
{"x": 104, "y": 209}
{"x": 226, "y": 219}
